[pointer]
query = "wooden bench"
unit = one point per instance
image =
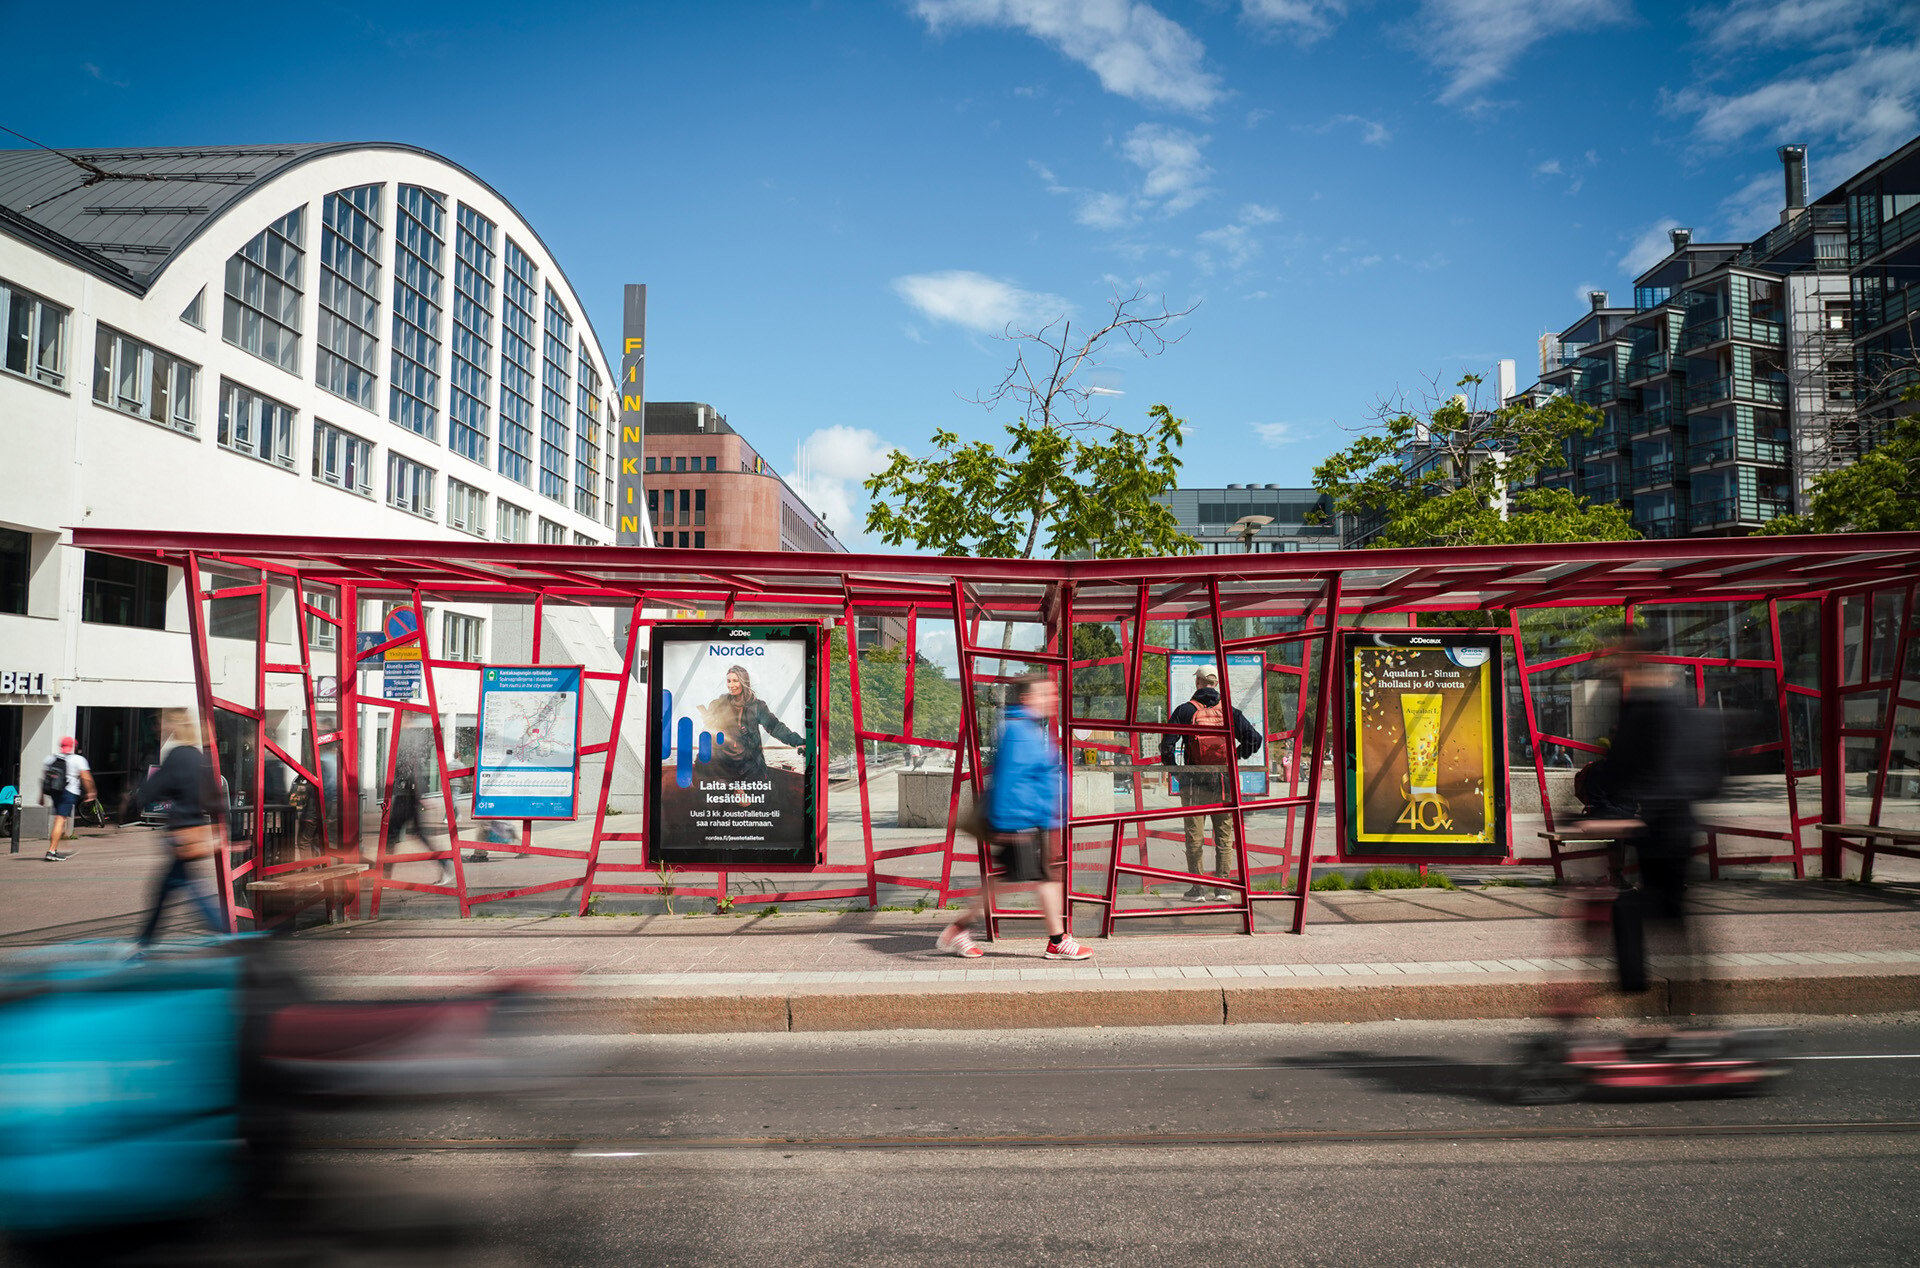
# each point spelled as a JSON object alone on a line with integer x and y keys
{"x": 330, "y": 880}
{"x": 1904, "y": 842}
{"x": 1557, "y": 841}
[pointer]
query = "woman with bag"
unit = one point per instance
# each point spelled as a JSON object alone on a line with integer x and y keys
{"x": 185, "y": 781}
{"x": 1022, "y": 824}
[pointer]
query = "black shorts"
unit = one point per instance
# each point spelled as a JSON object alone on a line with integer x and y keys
{"x": 1024, "y": 857}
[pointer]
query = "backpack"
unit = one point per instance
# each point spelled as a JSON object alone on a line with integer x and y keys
{"x": 1208, "y": 750}
{"x": 53, "y": 780}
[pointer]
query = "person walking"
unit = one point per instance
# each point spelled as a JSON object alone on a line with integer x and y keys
{"x": 403, "y": 812}
{"x": 184, "y": 780}
{"x": 64, "y": 778}
{"x": 1022, "y": 813}
{"x": 1666, "y": 755}
{"x": 1203, "y": 774}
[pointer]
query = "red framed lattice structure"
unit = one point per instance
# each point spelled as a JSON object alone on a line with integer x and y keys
{"x": 1845, "y": 697}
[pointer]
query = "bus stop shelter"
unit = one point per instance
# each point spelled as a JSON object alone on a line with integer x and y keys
{"x": 1809, "y": 641}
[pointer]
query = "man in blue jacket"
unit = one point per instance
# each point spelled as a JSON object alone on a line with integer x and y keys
{"x": 1022, "y": 811}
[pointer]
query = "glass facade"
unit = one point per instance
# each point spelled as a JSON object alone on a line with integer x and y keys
{"x": 255, "y": 425}
{"x": 460, "y": 636}
{"x": 262, "y": 310}
{"x": 349, "y": 328}
{"x": 510, "y": 522}
{"x": 552, "y": 534}
{"x": 466, "y": 508}
{"x": 556, "y": 383}
{"x": 115, "y": 591}
{"x": 517, "y": 283}
{"x": 138, "y": 379}
{"x": 586, "y": 440}
{"x": 419, "y": 268}
{"x": 468, "y": 415}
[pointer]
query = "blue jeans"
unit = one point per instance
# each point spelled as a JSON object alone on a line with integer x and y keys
{"x": 200, "y": 892}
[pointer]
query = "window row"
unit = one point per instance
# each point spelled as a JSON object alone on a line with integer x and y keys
{"x": 680, "y": 464}
{"x": 692, "y": 504}
{"x": 698, "y": 540}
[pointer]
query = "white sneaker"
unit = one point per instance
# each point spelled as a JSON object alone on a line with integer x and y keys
{"x": 1067, "y": 949}
{"x": 956, "y": 939}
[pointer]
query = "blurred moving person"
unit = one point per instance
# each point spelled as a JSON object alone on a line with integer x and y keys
{"x": 1207, "y": 764}
{"x": 64, "y": 777}
{"x": 1667, "y": 754}
{"x": 403, "y": 812}
{"x": 1022, "y": 813}
{"x": 184, "y": 780}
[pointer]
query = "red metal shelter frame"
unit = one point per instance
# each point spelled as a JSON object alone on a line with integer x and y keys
{"x": 1846, "y": 704}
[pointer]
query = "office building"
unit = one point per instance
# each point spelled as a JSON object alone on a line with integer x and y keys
{"x": 1210, "y": 517}
{"x": 708, "y": 488}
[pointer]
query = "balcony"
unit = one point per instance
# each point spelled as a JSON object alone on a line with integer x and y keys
{"x": 1887, "y": 235}
{"x": 1734, "y": 512}
{"x": 1772, "y": 453}
{"x": 1606, "y": 441}
{"x": 1648, "y": 474}
{"x": 1745, "y": 329}
{"x": 1640, "y": 369}
{"x": 1598, "y": 393}
{"x": 1648, "y": 421}
{"x": 1780, "y": 237}
{"x": 1891, "y": 307}
{"x": 1729, "y": 388}
{"x": 1662, "y": 526}
{"x": 1606, "y": 489}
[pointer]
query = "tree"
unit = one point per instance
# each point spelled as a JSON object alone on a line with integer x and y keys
{"x": 1451, "y": 473}
{"x": 1065, "y": 481}
{"x": 1878, "y": 493}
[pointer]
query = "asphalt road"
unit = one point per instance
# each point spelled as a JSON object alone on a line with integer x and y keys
{"x": 1288, "y": 1145}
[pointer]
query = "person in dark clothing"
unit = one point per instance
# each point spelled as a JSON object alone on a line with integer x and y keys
{"x": 1203, "y": 779}
{"x": 403, "y": 813}
{"x": 738, "y": 718}
{"x": 184, "y": 780}
{"x": 1666, "y": 755}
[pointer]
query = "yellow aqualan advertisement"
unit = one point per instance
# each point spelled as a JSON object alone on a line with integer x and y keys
{"x": 1424, "y": 745}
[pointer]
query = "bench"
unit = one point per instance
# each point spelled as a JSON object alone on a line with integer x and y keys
{"x": 1557, "y": 841}
{"x": 1873, "y": 839}
{"x": 330, "y": 880}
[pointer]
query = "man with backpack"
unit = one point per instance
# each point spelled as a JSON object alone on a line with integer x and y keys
{"x": 1208, "y": 760}
{"x": 64, "y": 777}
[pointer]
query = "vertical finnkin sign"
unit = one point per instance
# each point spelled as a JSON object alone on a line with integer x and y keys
{"x": 633, "y": 527}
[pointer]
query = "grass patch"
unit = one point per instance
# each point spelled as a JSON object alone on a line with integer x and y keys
{"x": 1332, "y": 882}
{"x": 1503, "y": 882}
{"x": 1272, "y": 884}
{"x": 1380, "y": 878}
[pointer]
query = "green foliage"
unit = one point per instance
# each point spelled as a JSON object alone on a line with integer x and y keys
{"x": 1472, "y": 456}
{"x": 1380, "y": 878}
{"x": 1063, "y": 491}
{"x": 1878, "y": 493}
{"x": 883, "y": 692}
{"x": 1332, "y": 882}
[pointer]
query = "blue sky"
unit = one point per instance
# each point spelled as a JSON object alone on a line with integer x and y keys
{"x": 838, "y": 204}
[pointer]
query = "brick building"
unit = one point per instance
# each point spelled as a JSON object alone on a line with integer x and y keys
{"x": 707, "y": 487}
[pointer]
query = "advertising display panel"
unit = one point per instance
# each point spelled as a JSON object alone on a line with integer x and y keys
{"x": 528, "y": 765}
{"x": 1426, "y": 753}
{"x": 737, "y": 734}
{"x": 1247, "y": 692}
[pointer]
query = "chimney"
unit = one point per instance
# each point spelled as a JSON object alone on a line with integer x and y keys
{"x": 1680, "y": 238}
{"x": 1793, "y": 158}
{"x": 1598, "y": 299}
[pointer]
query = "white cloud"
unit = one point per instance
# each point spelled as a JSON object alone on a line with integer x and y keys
{"x": 1582, "y": 292}
{"x": 1136, "y": 51}
{"x": 1305, "y": 20}
{"x": 1741, "y": 24}
{"x": 1237, "y": 241}
{"x": 829, "y": 469}
{"x": 1274, "y": 435}
{"x": 1372, "y": 131}
{"x": 1176, "y": 171}
{"x": 1649, "y": 248}
{"x": 976, "y": 301}
{"x": 1550, "y": 168}
{"x": 1476, "y": 42}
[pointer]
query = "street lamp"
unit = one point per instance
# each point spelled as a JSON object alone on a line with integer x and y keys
{"x": 1248, "y": 525}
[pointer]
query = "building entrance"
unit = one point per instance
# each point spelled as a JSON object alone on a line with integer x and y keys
{"x": 120, "y": 745}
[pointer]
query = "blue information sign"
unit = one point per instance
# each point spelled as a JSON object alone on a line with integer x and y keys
{"x": 529, "y": 761}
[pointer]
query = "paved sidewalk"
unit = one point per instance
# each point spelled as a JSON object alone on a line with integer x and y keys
{"x": 1771, "y": 946}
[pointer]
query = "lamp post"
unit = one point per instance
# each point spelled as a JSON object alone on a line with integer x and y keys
{"x": 1247, "y": 525}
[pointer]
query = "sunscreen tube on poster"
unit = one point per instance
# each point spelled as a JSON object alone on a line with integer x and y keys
{"x": 1420, "y": 711}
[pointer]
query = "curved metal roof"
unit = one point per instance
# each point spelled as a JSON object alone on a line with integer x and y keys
{"x": 123, "y": 214}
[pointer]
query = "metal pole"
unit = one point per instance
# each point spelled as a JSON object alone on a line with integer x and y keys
{"x": 1833, "y": 752}
{"x": 1329, "y": 665}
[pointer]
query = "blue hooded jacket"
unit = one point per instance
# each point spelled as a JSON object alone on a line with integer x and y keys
{"x": 1025, "y": 793}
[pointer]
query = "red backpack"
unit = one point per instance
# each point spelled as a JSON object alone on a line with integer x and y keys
{"x": 1209, "y": 749}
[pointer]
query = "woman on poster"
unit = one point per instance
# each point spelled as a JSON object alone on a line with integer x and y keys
{"x": 737, "y": 719}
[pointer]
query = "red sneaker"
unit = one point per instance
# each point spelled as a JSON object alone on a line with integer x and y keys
{"x": 1067, "y": 949}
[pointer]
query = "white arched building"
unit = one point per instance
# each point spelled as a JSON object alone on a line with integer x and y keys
{"x": 358, "y": 339}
